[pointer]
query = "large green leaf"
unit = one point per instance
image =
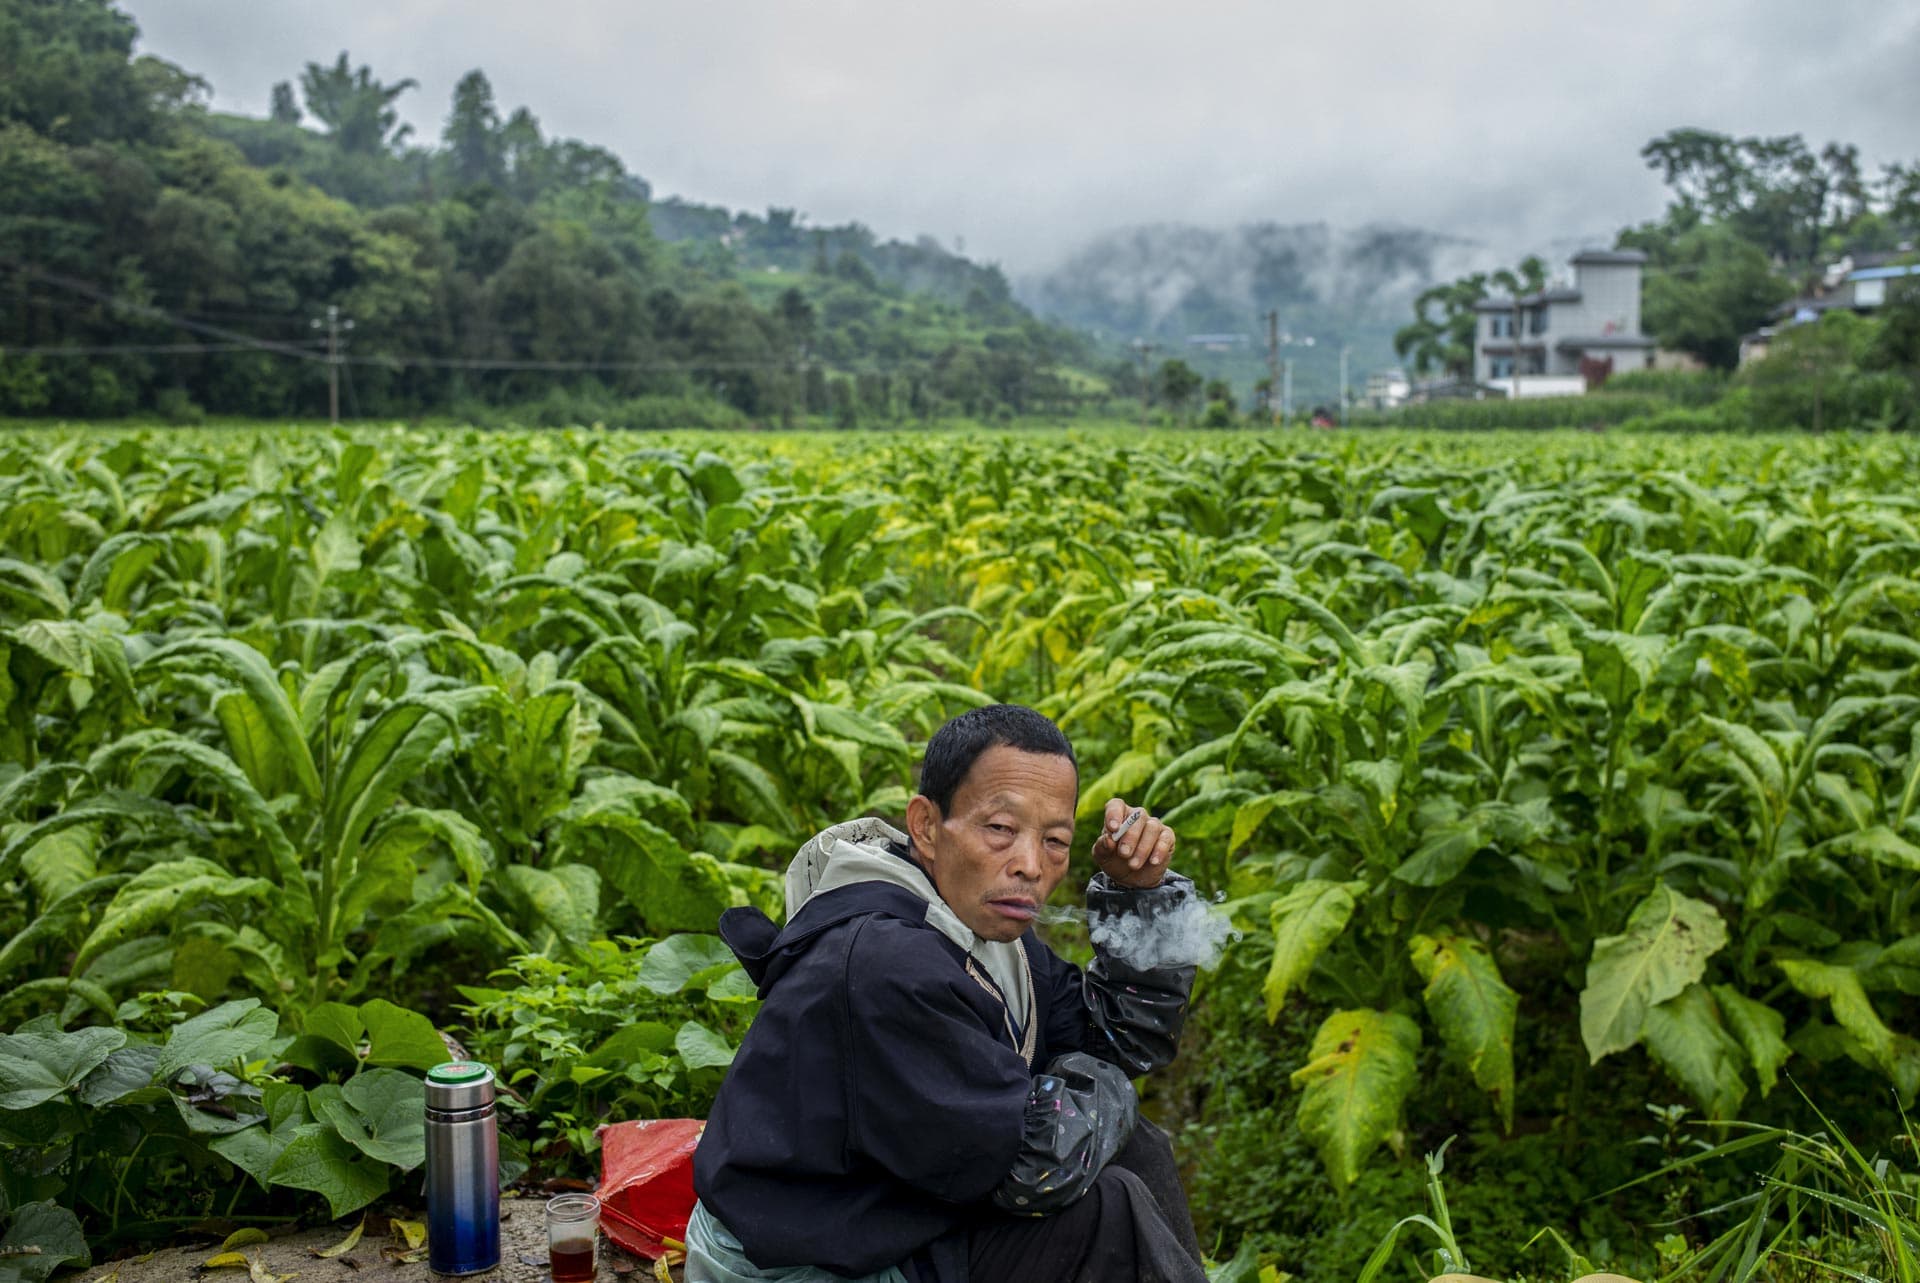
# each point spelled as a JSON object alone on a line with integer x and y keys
{"x": 565, "y": 900}
{"x": 380, "y": 1112}
{"x": 701, "y": 1048}
{"x": 38, "y": 1067}
{"x": 385, "y": 754}
{"x": 248, "y": 669}
{"x": 318, "y": 1158}
{"x": 43, "y": 1237}
{"x": 257, "y": 1148}
{"x": 1473, "y": 1009}
{"x": 1665, "y": 948}
{"x": 1305, "y": 921}
{"x": 219, "y": 773}
{"x": 1686, "y": 1036}
{"x": 159, "y": 895}
{"x": 686, "y": 961}
{"x": 1897, "y": 1055}
{"x": 1357, "y": 1076}
{"x": 218, "y": 1037}
{"x": 1761, "y": 1031}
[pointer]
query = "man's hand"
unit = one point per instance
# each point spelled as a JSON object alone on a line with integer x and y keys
{"x": 1140, "y": 856}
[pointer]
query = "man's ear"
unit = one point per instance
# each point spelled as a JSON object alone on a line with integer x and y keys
{"x": 923, "y": 817}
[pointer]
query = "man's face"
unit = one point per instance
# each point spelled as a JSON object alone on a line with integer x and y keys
{"x": 1002, "y": 847}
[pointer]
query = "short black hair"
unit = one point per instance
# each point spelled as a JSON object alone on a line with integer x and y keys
{"x": 956, "y": 746}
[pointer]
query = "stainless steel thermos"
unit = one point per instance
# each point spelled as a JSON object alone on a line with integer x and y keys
{"x": 463, "y": 1170}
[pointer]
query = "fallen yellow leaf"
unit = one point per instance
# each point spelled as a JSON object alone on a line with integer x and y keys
{"x": 344, "y": 1246}
{"x": 223, "y": 1260}
{"x": 240, "y": 1238}
{"x": 257, "y": 1272}
{"x": 412, "y": 1233}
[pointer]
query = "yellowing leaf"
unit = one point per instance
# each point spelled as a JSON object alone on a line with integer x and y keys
{"x": 1473, "y": 1009}
{"x": 225, "y": 1260}
{"x": 1360, "y": 1071}
{"x": 345, "y": 1245}
{"x": 257, "y": 1272}
{"x": 1305, "y": 921}
{"x": 412, "y": 1233}
{"x": 240, "y": 1238}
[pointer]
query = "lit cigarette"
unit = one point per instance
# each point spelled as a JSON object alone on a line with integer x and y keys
{"x": 1128, "y": 823}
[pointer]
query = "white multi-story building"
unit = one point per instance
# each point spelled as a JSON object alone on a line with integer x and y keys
{"x": 1597, "y": 317}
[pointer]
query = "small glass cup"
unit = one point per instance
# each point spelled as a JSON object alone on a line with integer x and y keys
{"x": 572, "y": 1220}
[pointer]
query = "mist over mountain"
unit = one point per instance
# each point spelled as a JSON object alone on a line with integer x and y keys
{"x": 1170, "y": 282}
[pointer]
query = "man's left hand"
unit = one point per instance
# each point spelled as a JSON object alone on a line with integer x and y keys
{"x": 1141, "y": 855}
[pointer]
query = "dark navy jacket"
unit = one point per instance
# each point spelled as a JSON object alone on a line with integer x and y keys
{"x": 877, "y": 1099}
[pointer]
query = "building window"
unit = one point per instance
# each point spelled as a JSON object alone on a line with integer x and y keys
{"x": 1500, "y": 367}
{"x": 1540, "y": 321}
{"x": 1499, "y": 325}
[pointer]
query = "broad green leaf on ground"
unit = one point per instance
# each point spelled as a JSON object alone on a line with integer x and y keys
{"x": 1761, "y": 1031}
{"x": 1305, "y": 921}
{"x": 1357, "y": 1076}
{"x": 256, "y": 1149}
{"x": 1686, "y": 1036}
{"x": 380, "y": 1112}
{"x": 319, "y": 1159}
{"x": 1472, "y": 1008}
{"x": 43, "y": 1237}
{"x": 1665, "y": 948}
{"x": 38, "y": 1067}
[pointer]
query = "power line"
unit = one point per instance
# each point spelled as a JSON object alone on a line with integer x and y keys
{"x": 118, "y": 349}
{"x": 143, "y": 309}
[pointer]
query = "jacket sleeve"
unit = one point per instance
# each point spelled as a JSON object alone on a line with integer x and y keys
{"x": 1079, "y": 1115}
{"x": 1127, "y": 1015}
{"x": 936, "y": 1097}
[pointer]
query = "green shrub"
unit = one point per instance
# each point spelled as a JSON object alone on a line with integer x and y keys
{"x": 623, "y": 1032}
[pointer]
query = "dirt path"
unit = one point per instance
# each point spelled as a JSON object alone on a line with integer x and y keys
{"x": 374, "y": 1259}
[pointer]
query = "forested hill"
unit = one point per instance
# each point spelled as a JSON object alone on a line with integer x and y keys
{"x": 1169, "y": 283}
{"x": 157, "y": 256}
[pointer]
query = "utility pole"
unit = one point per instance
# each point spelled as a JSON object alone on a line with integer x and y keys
{"x": 1273, "y": 367}
{"x": 1286, "y": 394}
{"x": 334, "y": 326}
{"x": 1344, "y": 350}
{"x": 1145, "y": 349}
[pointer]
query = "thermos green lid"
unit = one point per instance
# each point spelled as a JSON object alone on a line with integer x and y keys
{"x": 459, "y": 1084}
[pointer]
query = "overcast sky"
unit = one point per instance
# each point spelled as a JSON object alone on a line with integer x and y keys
{"x": 1024, "y": 126}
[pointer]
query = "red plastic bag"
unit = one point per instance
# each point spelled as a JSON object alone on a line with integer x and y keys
{"x": 646, "y": 1182}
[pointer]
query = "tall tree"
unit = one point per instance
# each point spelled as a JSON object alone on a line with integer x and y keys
{"x": 356, "y": 109}
{"x": 286, "y": 108}
{"x": 1705, "y": 288}
{"x": 65, "y": 71}
{"x": 1441, "y": 333}
{"x": 472, "y": 134}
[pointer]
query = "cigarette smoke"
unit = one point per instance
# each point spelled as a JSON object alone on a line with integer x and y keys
{"x": 1192, "y": 933}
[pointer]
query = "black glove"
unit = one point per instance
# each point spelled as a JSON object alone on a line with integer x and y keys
{"x": 1080, "y": 1113}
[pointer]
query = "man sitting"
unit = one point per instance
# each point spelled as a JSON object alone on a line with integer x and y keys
{"x": 929, "y": 1094}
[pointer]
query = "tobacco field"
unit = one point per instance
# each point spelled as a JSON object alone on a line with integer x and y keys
{"x": 1548, "y": 778}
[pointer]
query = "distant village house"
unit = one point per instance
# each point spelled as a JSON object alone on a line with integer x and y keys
{"x": 1567, "y": 336}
